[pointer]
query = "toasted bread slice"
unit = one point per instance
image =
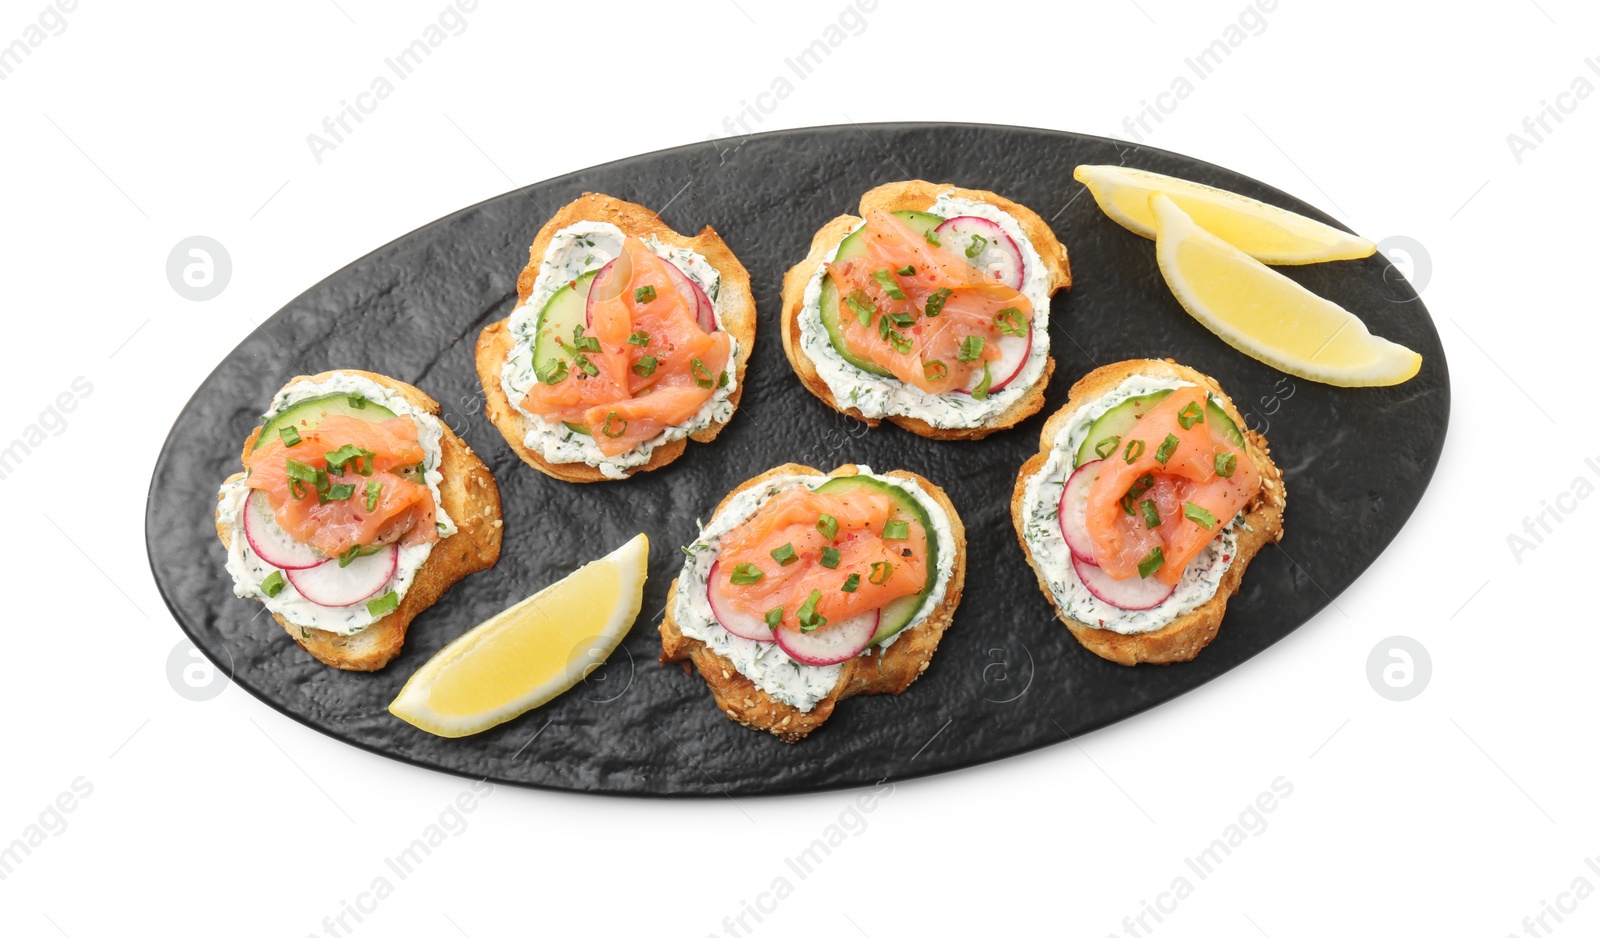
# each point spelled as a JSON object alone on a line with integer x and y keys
{"x": 1181, "y": 639}
{"x": 885, "y": 671}
{"x": 917, "y": 195}
{"x": 495, "y": 342}
{"x": 471, "y": 499}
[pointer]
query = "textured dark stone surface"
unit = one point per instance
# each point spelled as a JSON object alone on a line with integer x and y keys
{"x": 1008, "y": 677}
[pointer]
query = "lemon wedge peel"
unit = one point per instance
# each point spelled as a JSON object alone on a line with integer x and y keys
{"x": 1266, "y": 315}
{"x": 531, "y": 653}
{"x": 1269, "y": 234}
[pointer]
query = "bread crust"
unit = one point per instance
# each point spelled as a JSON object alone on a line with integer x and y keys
{"x": 885, "y": 671}
{"x": 471, "y": 499}
{"x": 495, "y": 342}
{"x": 1181, "y": 639}
{"x": 917, "y": 195}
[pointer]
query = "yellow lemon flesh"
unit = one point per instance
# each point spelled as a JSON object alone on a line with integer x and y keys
{"x": 527, "y": 655}
{"x": 1265, "y": 232}
{"x": 1266, "y": 315}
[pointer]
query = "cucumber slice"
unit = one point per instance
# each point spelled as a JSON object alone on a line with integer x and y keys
{"x": 895, "y": 616}
{"x": 565, "y": 310}
{"x": 1120, "y": 419}
{"x": 309, "y": 413}
{"x": 852, "y": 246}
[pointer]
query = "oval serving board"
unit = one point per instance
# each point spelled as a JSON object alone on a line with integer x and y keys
{"x": 1007, "y": 678}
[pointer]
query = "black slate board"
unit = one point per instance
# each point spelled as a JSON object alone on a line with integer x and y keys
{"x": 1008, "y": 677}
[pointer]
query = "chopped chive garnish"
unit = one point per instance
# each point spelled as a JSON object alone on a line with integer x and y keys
{"x": 1133, "y": 450}
{"x": 809, "y": 620}
{"x": 981, "y": 392}
{"x": 646, "y": 366}
{"x": 291, "y": 436}
{"x": 1140, "y": 486}
{"x": 1107, "y": 446}
{"x": 644, "y": 294}
{"x": 935, "y": 370}
{"x": 1199, "y": 515}
{"x": 358, "y": 401}
{"x": 384, "y": 604}
{"x": 614, "y": 426}
{"x": 1009, "y": 321}
{"x": 828, "y": 526}
{"x": 1166, "y": 449}
{"x": 552, "y": 371}
{"x": 906, "y": 271}
{"x": 374, "y": 489}
{"x": 830, "y": 557}
{"x": 1190, "y": 415}
{"x": 861, "y": 305}
{"x": 899, "y": 342}
{"x": 585, "y": 365}
{"x": 344, "y": 455}
{"x": 1151, "y": 563}
{"x": 902, "y": 319}
{"x": 701, "y": 374}
{"x": 745, "y": 574}
{"x": 273, "y": 584}
{"x": 971, "y": 349}
{"x": 890, "y": 287}
{"x": 851, "y": 583}
{"x": 976, "y": 245}
{"x": 936, "y": 299}
{"x": 336, "y": 493}
{"x": 880, "y": 573}
{"x": 773, "y": 617}
{"x": 355, "y": 553}
{"x": 931, "y": 236}
{"x": 1225, "y": 463}
{"x": 584, "y": 343}
{"x": 722, "y": 378}
{"x": 883, "y": 327}
{"x": 784, "y": 555}
{"x": 896, "y": 530}
{"x": 1152, "y": 518}
{"x": 640, "y": 338}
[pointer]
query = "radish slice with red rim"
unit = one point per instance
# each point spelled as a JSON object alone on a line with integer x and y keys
{"x": 328, "y": 584}
{"x": 996, "y": 256}
{"x": 1074, "y": 512}
{"x": 271, "y": 542}
{"x": 1014, "y": 351}
{"x": 705, "y": 313}
{"x": 609, "y": 280}
{"x": 1133, "y": 594}
{"x": 608, "y": 284}
{"x": 737, "y": 623}
{"x": 831, "y": 644}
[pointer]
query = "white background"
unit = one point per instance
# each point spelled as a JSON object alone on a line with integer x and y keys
{"x": 1458, "y": 812}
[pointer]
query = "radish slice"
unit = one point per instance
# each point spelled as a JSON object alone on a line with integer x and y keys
{"x": 1134, "y": 593}
{"x": 1014, "y": 351}
{"x": 1074, "y": 512}
{"x": 705, "y": 313}
{"x": 607, "y": 284}
{"x": 999, "y": 257}
{"x": 271, "y": 542}
{"x": 328, "y": 584}
{"x": 738, "y": 623}
{"x": 831, "y": 644}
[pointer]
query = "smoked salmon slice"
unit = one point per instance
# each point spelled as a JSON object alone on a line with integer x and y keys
{"x": 331, "y": 512}
{"x": 947, "y": 321}
{"x": 645, "y": 363}
{"x": 1194, "y": 480}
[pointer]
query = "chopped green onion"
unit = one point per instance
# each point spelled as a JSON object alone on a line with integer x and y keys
{"x": 931, "y": 236}
{"x": 553, "y": 371}
{"x": 936, "y": 299}
{"x": 745, "y": 574}
{"x": 344, "y": 455}
{"x": 1151, "y": 563}
{"x": 640, "y": 338}
{"x": 1133, "y": 450}
{"x": 906, "y": 271}
{"x": 722, "y": 378}
{"x": 851, "y": 583}
{"x": 585, "y": 365}
{"x": 830, "y": 557}
{"x": 971, "y": 349}
{"x": 809, "y": 620}
{"x": 862, "y": 306}
{"x": 890, "y": 287}
{"x": 646, "y": 365}
{"x": 273, "y": 584}
{"x": 357, "y": 401}
{"x": 774, "y": 617}
{"x": 1009, "y": 321}
{"x": 302, "y": 475}
{"x": 584, "y": 343}
{"x": 883, "y": 327}
{"x": 880, "y": 573}
{"x": 1225, "y": 463}
{"x": 902, "y": 319}
{"x": 1199, "y": 515}
{"x": 614, "y": 419}
{"x": 291, "y": 436}
{"x": 1166, "y": 449}
{"x": 896, "y": 530}
{"x": 828, "y": 526}
{"x": 899, "y": 342}
{"x": 701, "y": 374}
{"x": 336, "y": 493}
{"x": 644, "y": 294}
{"x": 935, "y": 370}
{"x": 784, "y": 555}
{"x": 1107, "y": 446}
{"x": 976, "y": 245}
{"x": 981, "y": 392}
{"x": 1140, "y": 486}
{"x": 1152, "y": 518}
{"x": 374, "y": 489}
{"x": 355, "y": 553}
{"x": 1190, "y": 415}
{"x": 384, "y": 604}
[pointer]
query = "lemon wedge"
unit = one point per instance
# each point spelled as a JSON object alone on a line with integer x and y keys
{"x": 1266, "y": 315}
{"x": 1265, "y": 232}
{"x": 527, "y": 655}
